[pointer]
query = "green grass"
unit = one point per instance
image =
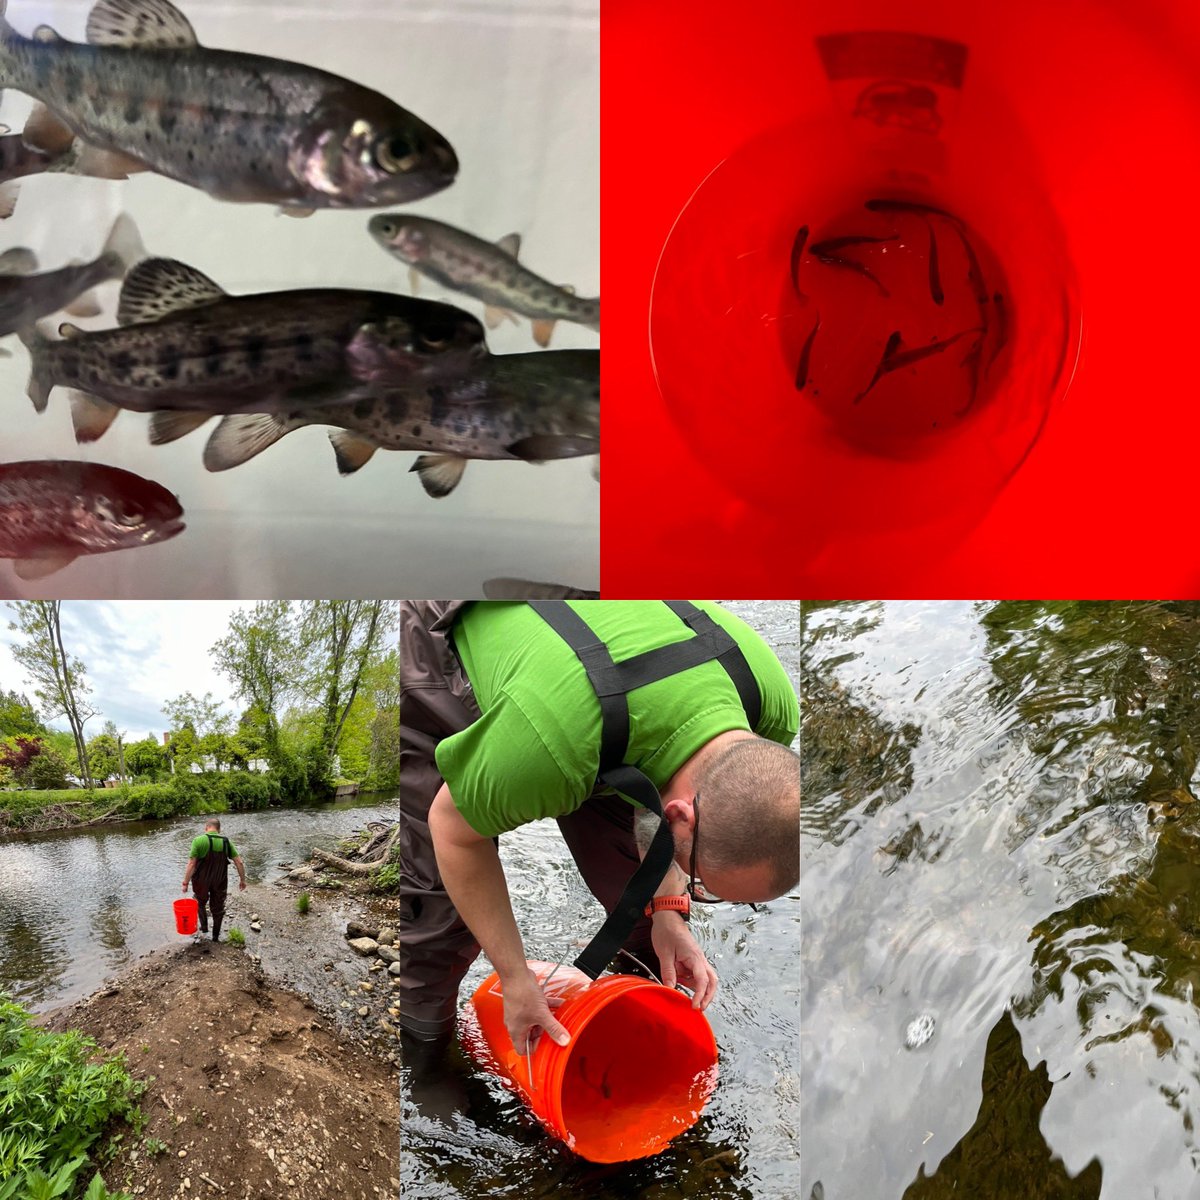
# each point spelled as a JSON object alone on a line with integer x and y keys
{"x": 302, "y": 903}
{"x": 55, "y": 1102}
{"x": 236, "y": 937}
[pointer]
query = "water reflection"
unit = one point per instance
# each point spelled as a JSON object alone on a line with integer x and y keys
{"x": 1022, "y": 864}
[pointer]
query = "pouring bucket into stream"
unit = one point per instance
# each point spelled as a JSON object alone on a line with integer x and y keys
{"x": 640, "y": 1065}
{"x": 186, "y": 912}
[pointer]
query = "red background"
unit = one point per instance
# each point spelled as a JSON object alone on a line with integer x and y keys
{"x": 1104, "y": 505}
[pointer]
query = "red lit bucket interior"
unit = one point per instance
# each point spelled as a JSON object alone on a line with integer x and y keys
{"x": 638, "y": 1076}
{"x": 185, "y": 916}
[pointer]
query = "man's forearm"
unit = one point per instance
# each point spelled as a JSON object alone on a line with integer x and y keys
{"x": 474, "y": 879}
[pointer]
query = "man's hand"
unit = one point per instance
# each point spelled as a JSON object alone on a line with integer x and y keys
{"x": 681, "y": 958}
{"x": 185, "y": 883}
{"x": 527, "y": 1013}
{"x": 242, "y": 886}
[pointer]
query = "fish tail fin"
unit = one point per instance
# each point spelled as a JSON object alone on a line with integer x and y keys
{"x": 8, "y": 198}
{"x": 124, "y": 247}
{"x": 40, "y": 381}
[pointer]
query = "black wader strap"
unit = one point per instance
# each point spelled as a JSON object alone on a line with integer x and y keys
{"x": 612, "y": 682}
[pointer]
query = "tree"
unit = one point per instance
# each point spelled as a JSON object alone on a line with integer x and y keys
{"x": 58, "y": 679}
{"x": 205, "y": 716}
{"x": 104, "y": 756}
{"x": 145, "y": 758}
{"x": 18, "y": 716}
{"x": 258, "y": 656}
{"x": 48, "y": 770}
{"x": 340, "y": 640}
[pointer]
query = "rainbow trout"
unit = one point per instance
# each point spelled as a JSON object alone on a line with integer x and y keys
{"x": 53, "y": 512}
{"x": 464, "y": 263}
{"x": 534, "y": 407}
{"x": 143, "y": 94}
{"x": 183, "y": 343}
{"x": 25, "y": 298}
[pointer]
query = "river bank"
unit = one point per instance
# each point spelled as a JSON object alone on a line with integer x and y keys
{"x": 251, "y": 1089}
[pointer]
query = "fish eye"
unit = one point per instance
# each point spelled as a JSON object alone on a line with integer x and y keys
{"x": 119, "y": 514}
{"x": 434, "y": 341}
{"x": 395, "y": 154}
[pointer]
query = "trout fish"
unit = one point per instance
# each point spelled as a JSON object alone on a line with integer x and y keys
{"x": 143, "y": 94}
{"x": 26, "y": 298}
{"x": 464, "y": 263}
{"x": 534, "y": 407}
{"x": 53, "y": 512}
{"x": 183, "y": 343}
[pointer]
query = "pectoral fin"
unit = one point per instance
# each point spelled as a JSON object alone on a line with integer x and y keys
{"x": 106, "y": 164}
{"x": 31, "y": 569}
{"x": 494, "y": 316}
{"x": 543, "y": 446}
{"x": 170, "y": 425}
{"x": 440, "y": 473}
{"x": 241, "y": 437}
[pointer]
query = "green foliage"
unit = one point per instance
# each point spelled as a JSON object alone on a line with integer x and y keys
{"x": 97, "y": 1191}
{"x": 387, "y": 878}
{"x": 104, "y": 757}
{"x": 302, "y": 903}
{"x": 54, "y": 1103}
{"x": 18, "y": 716}
{"x": 47, "y": 770}
{"x": 236, "y": 937}
{"x": 146, "y": 759}
{"x": 154, "y": 1146}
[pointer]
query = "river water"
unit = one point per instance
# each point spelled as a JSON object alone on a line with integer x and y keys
{"x": 745, "y": 1144}
{"x": 1001, "y": 898}
{"x": 78, "y": 905}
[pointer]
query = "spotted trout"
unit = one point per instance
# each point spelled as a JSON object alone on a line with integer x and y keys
{"x": 143, "y": 94}
{"x": 183, "y": 343}
{"x": 53, "y": 512}
{"x": 25, "y": 298}
{"x": 533, "y": 407}
{"x": 464, "y": 263}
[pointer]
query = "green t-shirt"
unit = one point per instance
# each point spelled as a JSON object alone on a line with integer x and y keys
{"x": 535, "y": 750}
{"x": 200, "y": 846}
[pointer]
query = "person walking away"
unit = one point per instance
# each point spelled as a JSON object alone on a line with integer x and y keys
{"x": 208, "y": 873}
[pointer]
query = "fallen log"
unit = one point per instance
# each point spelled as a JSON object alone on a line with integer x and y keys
{"x": 364, "y": 868}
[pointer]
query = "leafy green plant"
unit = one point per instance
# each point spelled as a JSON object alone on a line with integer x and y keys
{"x": 302, "y": 903}
{"x": 154, "y": 1146}
{"x": 54, "y": 1103}
{"x": 236, "y": 937}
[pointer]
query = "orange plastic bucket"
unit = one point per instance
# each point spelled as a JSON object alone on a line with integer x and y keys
{"x": 186, "y": 911}
{"x": 640, "y": 1066}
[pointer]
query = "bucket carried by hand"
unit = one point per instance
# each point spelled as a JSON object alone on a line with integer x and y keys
{"x": 186, "y": 913}
{"x": 639, "y": 1067}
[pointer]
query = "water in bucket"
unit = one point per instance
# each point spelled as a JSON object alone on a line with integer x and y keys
{"x": 639, "y": 1068}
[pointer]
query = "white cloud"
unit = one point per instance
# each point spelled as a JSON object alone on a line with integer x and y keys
{"x": 138, "y": 653}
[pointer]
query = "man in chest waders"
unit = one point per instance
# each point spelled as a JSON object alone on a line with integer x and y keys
{"x": 208, "y": 872}
{"x": 623, "y": 721}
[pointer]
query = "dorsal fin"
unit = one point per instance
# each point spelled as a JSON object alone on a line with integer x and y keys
{"x": 510, "y": 244}
{"x": 157, "y": 287}
{"x": 153, "y": 24}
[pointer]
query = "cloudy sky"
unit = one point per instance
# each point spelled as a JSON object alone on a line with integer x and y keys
{"x": 138, "y": 653}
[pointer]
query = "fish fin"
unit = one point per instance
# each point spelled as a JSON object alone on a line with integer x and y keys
{"x": 40, "y": 383}
{"x": 542, "y": 331}
{"x": 170, "y": 424}
{"x": 529, "y": 589}
{"x": 106, "y": 164}
{"x": 566, "y": 287}
{"x": 124, "y": 245}
{"x": 542, "y": 446}
{"x": 157, "y": 287}
{"x": 84, "y": 306}
{"x": 510, "y": 244}
{"x": 20, "y": 260}
{"x": 299, "y": 213}
{"x": 240, "y": 437}
{"x": 139, "y": 23}
{"x": 67, "y": 330}
{"x": 91, "y": 416}
{"x": 414, "y": 279}
{"x": 494, "y": 316}
{"x": 30, "y": 569}
{"x": 46, "y": 36}
{"x": 45, "y": 132}
{"x": 440, "y": 473}
{"x": 351, "y": 450}
{"x": 8, "y": 199}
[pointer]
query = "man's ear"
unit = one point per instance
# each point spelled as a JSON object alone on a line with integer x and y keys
{"x": 680, "y": 809}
